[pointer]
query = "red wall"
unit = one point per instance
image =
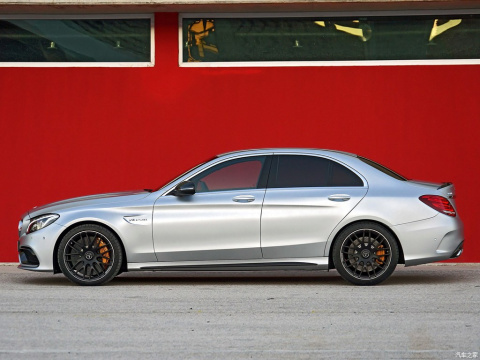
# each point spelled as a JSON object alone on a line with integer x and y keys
{"x": 76, "y": 131}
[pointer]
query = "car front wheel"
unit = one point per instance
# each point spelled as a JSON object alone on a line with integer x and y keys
{"x": 365, "y": 253}
{"x": 90, "y": 255}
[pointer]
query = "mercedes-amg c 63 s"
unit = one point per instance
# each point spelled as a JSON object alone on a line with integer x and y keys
{"x": 251, "y": 210}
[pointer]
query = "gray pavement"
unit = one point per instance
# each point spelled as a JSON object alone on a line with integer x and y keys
{"x": 423, "y": 312}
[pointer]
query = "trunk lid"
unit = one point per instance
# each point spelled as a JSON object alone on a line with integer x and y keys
{"x": 446, "y": 189}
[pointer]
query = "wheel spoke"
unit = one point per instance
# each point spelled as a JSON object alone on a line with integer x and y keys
{"x": 87, "y": 240}
{"x": 102, "y": 269}
{"x": 94, "y": 238}
{"x": 360, "y": 270}
{"x": 85, "y": 272}
{"x": 76, "y": 264}
{"x": 73, "y": 246}
{"x": 84, "y": 238}
{"x": 90, "y": 272}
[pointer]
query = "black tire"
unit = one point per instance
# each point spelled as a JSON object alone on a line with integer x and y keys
{"x": 90, "y": 254}
{"x": 365, "y": 253}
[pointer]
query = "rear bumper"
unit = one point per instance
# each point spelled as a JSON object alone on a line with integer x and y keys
{"x": 457, "y": 252}
{"x": 434, "y": 239}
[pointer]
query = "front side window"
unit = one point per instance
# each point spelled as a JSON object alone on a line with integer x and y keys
{"x": 291, "y": 171}
{"x": 236, "y": 174}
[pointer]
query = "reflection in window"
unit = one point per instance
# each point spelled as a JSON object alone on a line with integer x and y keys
{"x": 81, "y": 40}
{"x": 232, "y": 175}
{"x": 331, "y": 39}
{"x": 199, "y": 32}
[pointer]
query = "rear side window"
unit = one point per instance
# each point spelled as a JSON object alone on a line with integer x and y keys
{"x": 310, "y": 171}
{"x": 341, "y": 176}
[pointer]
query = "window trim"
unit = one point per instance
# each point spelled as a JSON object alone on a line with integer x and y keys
{"x": 150, "y": 63}
{"x": 382, "y": 168}
{"x": 334, "y": 63}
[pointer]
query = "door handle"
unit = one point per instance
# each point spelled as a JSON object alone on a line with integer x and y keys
{"x": 244, "y": 198}
{"x": 339, "y": 197}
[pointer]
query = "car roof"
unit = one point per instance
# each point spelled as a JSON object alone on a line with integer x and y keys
{"x": 287, "y": 150}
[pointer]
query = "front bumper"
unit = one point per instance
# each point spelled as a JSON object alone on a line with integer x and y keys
{"x": 438, "y": 238}
{"x": 36, "y": 250}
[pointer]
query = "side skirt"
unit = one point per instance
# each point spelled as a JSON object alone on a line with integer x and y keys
{"x": 317, "y": 263}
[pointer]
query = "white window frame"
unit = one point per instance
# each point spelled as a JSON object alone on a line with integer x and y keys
{"x": 86, "y": 17}
{"x": 181, "y": 47}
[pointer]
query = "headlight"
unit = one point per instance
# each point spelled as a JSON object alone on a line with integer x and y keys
{"x": 41, "y": 221}
{"x": 20, "y": 226}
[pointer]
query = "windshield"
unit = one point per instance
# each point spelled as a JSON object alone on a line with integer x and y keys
{"x": 383, "y": 169}
{"x": 184, "y": 173}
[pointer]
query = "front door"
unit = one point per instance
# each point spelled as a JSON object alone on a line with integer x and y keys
{"x": 221, "y": 221}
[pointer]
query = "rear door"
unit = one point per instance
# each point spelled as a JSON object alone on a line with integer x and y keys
{"x": 306, "y": 197}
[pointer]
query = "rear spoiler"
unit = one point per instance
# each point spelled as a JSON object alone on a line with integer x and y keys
{"x": 445, "y": 184}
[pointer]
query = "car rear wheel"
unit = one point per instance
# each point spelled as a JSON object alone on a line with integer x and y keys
{"x": 365, "y": 253}
{"x": 90, "y": 255}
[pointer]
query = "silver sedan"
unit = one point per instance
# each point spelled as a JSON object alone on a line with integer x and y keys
{"x": 251, "y": 210}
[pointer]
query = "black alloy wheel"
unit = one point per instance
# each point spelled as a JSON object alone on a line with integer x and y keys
{"x": 365, "y": 253}
{"x": 90, "y": 255}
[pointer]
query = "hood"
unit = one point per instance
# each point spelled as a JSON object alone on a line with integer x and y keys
{"x": 109, "y": 198}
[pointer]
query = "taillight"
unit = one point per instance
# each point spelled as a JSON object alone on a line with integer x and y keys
{"x": 439, "y": 203}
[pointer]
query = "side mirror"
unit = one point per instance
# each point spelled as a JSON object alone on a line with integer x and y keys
{"x": 185, "y": 188}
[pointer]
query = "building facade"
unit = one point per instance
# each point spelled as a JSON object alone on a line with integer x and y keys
{"x": 120, "y": 95}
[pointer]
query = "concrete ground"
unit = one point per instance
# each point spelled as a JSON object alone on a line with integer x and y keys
{"x": 423, "y": 312}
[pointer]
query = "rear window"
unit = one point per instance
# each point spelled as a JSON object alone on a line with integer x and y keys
{"x": 383, "y": 169}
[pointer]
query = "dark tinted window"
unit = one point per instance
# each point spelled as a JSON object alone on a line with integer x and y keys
{"x": 331, "y": 38}
{"x": 341, "y": 176}
{"x": 75, "y": 40}
{"x": 231, "y": 175}
{"x": 310, "y": 171}
{"x": 383, "y": 169}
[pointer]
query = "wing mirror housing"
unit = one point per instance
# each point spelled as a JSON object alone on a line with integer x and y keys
{"x": 185, "y": 188}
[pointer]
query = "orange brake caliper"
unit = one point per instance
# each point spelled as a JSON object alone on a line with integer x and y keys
{"x": 103, "y": 251}
{"x": 380, "y": 253}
